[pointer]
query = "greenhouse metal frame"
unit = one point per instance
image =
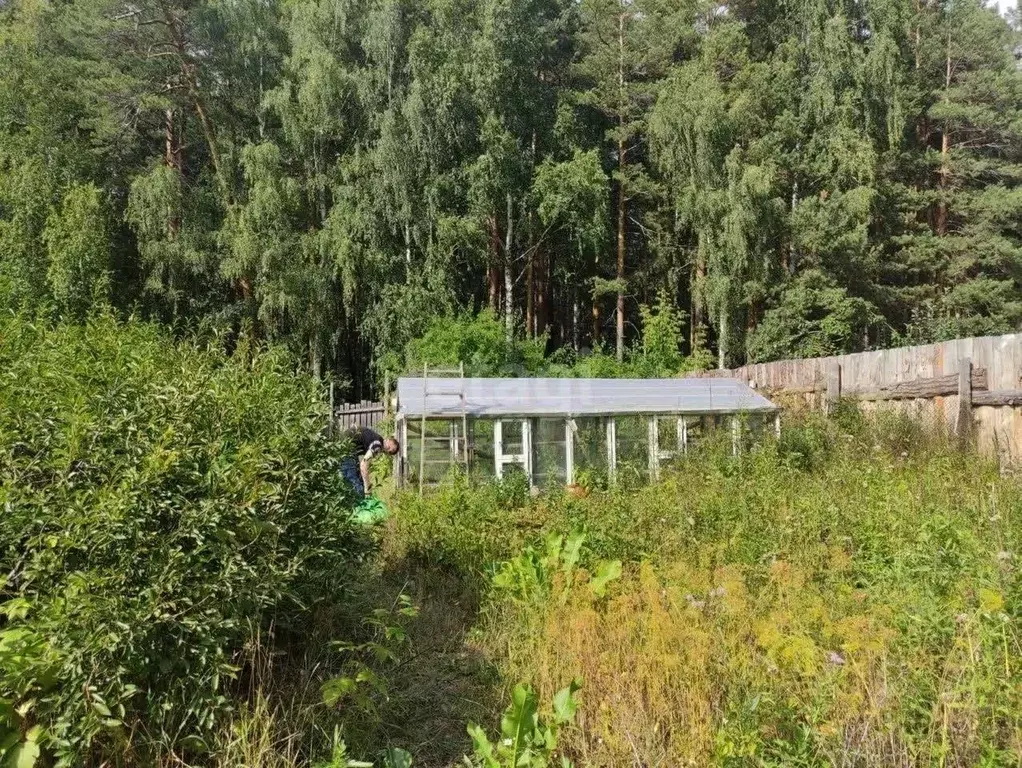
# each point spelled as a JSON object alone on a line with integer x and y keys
{"x": 448, "y": 419}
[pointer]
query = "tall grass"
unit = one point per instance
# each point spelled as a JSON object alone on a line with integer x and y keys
{"x": 847, "y": 595}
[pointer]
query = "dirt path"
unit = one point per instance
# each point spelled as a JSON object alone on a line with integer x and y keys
{"x": 443, "y": 684}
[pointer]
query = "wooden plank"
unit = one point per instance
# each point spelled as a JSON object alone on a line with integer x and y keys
{"x": 816, "y": 389}
{"x": 963, "y": 421}
{"x": 923, "y": 379}
{"x": 998, "y": 397}
{"x": 935, "y": 386}
{"x": 833, "y": 384}
{"x": 920, "y": 388}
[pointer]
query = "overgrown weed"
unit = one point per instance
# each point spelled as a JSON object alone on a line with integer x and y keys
{"x": 846, "y": 595}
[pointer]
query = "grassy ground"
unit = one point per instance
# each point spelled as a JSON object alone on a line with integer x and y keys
{"x": 846, "y": 596}
{"x": 849, "y": 595}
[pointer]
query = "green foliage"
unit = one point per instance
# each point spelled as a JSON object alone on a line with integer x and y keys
{"x": 529, "y": 577}
{"x": 662, "y": 338}
{"x": 392, "y": 758}
{"x": 480, "y": 342}
{"x": 572, "y": 197}
{"x": 78, "y": 249}
{"x": 162, "y": 504}
{"x": 816, "y": 318}
{"x": 366, "y": 663}
{"x": 338, "y": 176}
{"x": 527, "y": 740}
{"x": 760, "y": 603}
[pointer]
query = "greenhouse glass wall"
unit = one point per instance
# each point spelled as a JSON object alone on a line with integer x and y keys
{"x": 556, "y": 431}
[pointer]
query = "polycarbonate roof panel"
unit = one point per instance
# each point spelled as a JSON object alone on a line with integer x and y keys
{"x": 576, "y": 397}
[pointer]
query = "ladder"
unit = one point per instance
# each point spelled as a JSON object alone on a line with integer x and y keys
{"x": 445, "y": 374}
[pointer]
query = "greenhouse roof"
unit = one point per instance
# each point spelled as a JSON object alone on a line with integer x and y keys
{"x": 575, "y": 397}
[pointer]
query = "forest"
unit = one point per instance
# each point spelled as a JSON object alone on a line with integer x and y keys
{"x": 797, "y": 177}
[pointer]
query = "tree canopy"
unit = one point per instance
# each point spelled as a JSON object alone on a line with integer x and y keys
{"x": 331, "y": 176}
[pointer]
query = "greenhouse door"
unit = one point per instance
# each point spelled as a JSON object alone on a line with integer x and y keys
{"x": 512, "y": 446}
{"x": 667, "y": 440}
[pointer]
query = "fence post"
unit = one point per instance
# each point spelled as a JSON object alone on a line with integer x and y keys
{"x": 833, "y": 386}
{"x": 963, "y": 420}
{"x": 333, "y": 413}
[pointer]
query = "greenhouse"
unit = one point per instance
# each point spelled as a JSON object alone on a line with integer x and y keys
{"x": 557, "y": 431}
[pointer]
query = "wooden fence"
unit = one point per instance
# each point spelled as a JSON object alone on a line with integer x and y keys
{"x": 366, "y": 413}
{"x": 970, "y": 385}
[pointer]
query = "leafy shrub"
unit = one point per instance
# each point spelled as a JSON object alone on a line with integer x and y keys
{"x": 160, "y": 504}
{"x": 527, "y": 740}
{"x": 804, "y": 446}
{"x": 480, "y": 341}
{"x": 530, "y": 577}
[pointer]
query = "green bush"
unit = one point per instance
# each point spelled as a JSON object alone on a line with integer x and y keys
{"x": 161, "y": 504}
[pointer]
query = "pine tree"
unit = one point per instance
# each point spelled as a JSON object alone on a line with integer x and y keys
{"x": 626, "y": 46}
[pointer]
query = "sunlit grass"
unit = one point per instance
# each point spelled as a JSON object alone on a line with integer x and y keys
{"x": 848, "y": 595}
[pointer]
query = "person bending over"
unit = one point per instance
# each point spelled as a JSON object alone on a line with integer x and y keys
{"x": 366, "y": 446}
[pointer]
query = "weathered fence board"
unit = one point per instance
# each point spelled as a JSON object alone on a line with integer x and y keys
{"x": 922, "y": 380}
{"x": 363, "y": 414}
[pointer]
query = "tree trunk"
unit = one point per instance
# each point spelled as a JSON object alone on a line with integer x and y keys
{"x": 574, "y": 319}
{"x": 260, "y": 115}
{"x": 493, "y": 268}
{"x": 172, "y": 159}
{"x": 509, "y": 306}
{"x": 545, "y": 294}
{"x": 540, "y": 310}
{"x": 945, "y": 149}
{"x": 208, "y": 132}
{"x": 621, "y": 217}
{"x": 315, "y": 359}
{"x": 697, "y": 303}
{"x": 723, "y": 339}
{"x": 791, "y": 258}
{"x": 920, "y": 6}
{"x": 621, "y": 200}
{"x": 530, "y": 303}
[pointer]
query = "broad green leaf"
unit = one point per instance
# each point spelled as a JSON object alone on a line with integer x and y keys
{"x": 332, "y": 691}
{"x": 565, "y": 703}
{"x": 572, "y": 550}
{"x": 195, "y": 743}
{"x": 519, "y": 720}
{"x": 482, "y": 747}
{"x": 608, "y": 571}
{"x": 554, "y": 543}
{"x": 17, "y": 608}
{"x": 24, "y": 755}
{"x": 397, "y": 758}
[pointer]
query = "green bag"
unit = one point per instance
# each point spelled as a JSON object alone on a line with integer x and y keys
{"x": 371, "y": 511}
